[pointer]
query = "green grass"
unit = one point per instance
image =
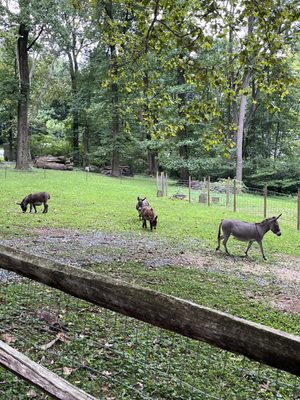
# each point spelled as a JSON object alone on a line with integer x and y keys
{"x": 110, "y": 354}
{"x": 95, "y": 202}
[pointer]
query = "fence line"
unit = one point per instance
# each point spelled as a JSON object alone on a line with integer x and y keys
{"x": 260, "y": 343}
{"x": 233, "y": 195}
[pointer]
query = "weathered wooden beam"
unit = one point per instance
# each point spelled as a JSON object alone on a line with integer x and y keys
{"x": 41, "y": 377}
{"x": 270, "y": 346}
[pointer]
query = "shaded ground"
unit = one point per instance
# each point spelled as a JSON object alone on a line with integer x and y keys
{"x": 83, "y": 250}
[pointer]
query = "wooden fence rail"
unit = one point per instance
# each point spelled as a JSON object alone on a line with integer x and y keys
{"x": 39, "y": 376}
{"x": 260, "y": 343}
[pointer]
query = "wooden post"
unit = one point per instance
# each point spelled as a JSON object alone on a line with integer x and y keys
{"x": 162, "y": 175}
{"x": 166, "y": 185}
{"x": 157, "y": 185}
{"x": 265, "y": 200}
{"x": 227, "y": 191}
{"x": 208, "y": 190}
{"x": 298, "y": 219}
{"x": 234, "y": 195}
{"x": 121, "y": 175}
{"x": 190, "y": 185}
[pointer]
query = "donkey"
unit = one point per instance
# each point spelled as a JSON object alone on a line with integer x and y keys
{"x": 140, "y": 204}
{"x": 247, "y": 232}
{"x": 149, "y": 215}
{"x": 35, "y": 199}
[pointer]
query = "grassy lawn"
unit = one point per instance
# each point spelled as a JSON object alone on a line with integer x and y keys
{"x": 95, "y": 202}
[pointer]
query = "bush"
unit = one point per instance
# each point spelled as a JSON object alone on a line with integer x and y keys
{"x": 283, "y": 177}
{"x": 42, "y": 145}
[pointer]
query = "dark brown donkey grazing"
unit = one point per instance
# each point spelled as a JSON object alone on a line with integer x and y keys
{"x": 247, "y": 232}
{"x": 35, "y": 199}
{"x": 149, "y": 215}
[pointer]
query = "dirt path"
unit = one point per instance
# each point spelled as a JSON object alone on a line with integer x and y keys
{"x": 82, "y": 250}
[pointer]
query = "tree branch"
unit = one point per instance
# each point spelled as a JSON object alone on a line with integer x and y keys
{"x": 33, "y": 42}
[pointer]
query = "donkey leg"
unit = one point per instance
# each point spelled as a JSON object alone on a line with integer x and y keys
{"x": 261, "y": 249}
{"x": 248, "y": 247}
{"x": 144, "y": 223}
{"x": 219, "y": 241}
{"x": 45, "y": 208}
{"x": 225, "y": 244}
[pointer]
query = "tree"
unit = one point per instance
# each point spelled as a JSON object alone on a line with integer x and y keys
{"x": 271, "y": 30}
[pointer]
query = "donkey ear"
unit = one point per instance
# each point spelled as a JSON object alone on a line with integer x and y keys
{"x": 278, "y": 217}
{"x": 18, "y": 204}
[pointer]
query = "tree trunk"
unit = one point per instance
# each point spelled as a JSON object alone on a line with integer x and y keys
{"x": 75, "y": 129}
{"x": 73, "y": 66}
{"x": 115, "y": 162}
{"x": 151, "y": 156}
{"x": 115, "y": 126}
{"x": 242, "y": 110}
{"x": 152, "y": 163}
{"x": 85, "y": 142}
{"x": 182, "y": 133}
{"x": 22, "y": 162}
{"x": 232, "y": 104}
{"x": 240, "y": 131}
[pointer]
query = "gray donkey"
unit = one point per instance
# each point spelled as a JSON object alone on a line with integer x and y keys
{"x": 35, "y": 199}
{"x": 247, "y": 232}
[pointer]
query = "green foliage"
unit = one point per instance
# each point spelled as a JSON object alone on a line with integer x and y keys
{"x": 41, "y": 145}
{"x": 178, "y": 69}
{"x": 280, "y": 176}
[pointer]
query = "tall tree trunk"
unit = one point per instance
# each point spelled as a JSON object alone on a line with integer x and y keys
{"x": 115, "y": 128}
{"x": 232, "y": 104}
{"x": 240, "y": 130}
{"x": 73, "y": 67}
{"x": 115, "y": 162}
{"x": 242, "y": 110}
{"x": 22, "y": 161}
{"x": 182, "y": 133}
{"x": 75, "y": 130}
{"x": 85, "y": 142}
{"x": 151, "y": 156}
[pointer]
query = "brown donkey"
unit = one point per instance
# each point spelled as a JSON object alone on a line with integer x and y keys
{"x": 149, "y": 215}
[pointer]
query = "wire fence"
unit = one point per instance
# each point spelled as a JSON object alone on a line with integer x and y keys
{"x": 234, "y": 196}
{"x": 111, "y": 356}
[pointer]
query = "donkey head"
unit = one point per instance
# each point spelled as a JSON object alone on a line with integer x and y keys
{"x": 274, "y": 226}
{"x": 154, "y": 222}
{"x": 24, "y": 203}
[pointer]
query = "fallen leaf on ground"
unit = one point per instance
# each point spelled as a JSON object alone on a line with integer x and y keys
{"x": 8, "y": 338}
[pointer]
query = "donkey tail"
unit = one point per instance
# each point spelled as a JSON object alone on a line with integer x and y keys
{"x": 219, "y": 235}
{"x": 219, "y": 232}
